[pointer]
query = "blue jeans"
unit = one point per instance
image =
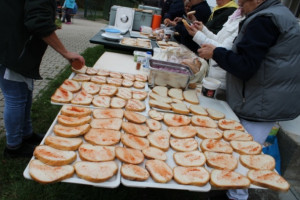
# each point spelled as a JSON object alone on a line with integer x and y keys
{"x": 18, "y": 100}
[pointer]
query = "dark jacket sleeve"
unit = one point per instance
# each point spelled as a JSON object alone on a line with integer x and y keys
{"x": 202, "y": 11}
{"x": 176, "y": 10}
{"x": 39, "y": 17}
{"x": 260, "y": 35}
{"x": 219, "y": 18}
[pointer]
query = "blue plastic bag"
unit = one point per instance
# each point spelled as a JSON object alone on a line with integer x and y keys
{"x": 273, "y": 150}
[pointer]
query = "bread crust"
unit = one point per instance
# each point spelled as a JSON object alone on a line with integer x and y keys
{"x": 188, "y": 144}
{"x": 108, "y": 113}
{"x": 198, "y": 110}
{"x": 215, "y": 114}
{"x": 180, "y": 108}
{"x": 135, "y": 117}
{"x": 183, "y": 131}
{"x": 139, "y": 95}
{"x": 258, "y": 162}
{"x": 111, "y": 123}
{"x": 134, "y": 142}
{"x": 71, "y": 85}
{"x": 159, "y": 171}
{"x": 134, "y": 172}
{"x": 160, "y": 139}
{"x": 154, "y": 153}
{"x": 153, "y": 125}
{"x": 227, "y": 124}
{"x": 221, "y": 160}
{"x": 156, "y": 115}
{"x": 203, "y": 121}
{"x": 75, "y": 111}
{"x": 223, "y": 175}
{"x": 246, "y": 147}
{"x": 95, "y": 153}
{"x": 62, "y": 143}
{"x": 62, "y": 96}
{"x": 73, "y": 121}
{"x": 208, "y": 133}
{"x": 135, "y": 129}
{"x": 117, "y": 102}
{"x": 129, "y": 156}
{"x": 159, "y": 104}
{"x": 230, "y": 135}
{"x": 135, "y": 105}
{"x": 69, "y": 132}
{"x": 216, "y": 146}
{"x": 189, "y": 159}
{"x": 103, "y": 137}
{"x": 176, "y": 120}
{"x": 198, "y": 176}
{"x": 191, "y": 96}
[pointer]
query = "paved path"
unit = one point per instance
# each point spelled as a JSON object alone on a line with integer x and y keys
{"x": 75, "y": 37}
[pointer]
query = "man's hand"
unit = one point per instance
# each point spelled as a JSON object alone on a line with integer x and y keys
{"x": 76, "y": 60}
{"x": 167, "y": 22}
{"x": 192, "y": 30}
{"x": 198, "y": 25}
{"x": 206, "y": 51}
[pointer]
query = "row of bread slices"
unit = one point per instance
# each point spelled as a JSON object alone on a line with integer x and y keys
{"x": 107, "y": 73}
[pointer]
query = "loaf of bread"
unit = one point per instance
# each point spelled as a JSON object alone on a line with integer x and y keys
{"x": 107, "y": 113}
{"x": 75, "y": 111}
{"x": 124, "y": 93}
{"x": 90, "y": 87}
{"x": 153, "y": 125}
{"x": 69, "y": 131}
{"x": 160, "y": 139}
{"x": 101, "y": 101}
{"x": 176, "y": 120}
{"x": 191, "y": 96}
{"x": 159, "y": 104}
{"x": 226, "y": 179}
{"x": 103, "y": 137}
{"x": 135, "y": 117}
{"x": 191, "y": 175}
{"x": 95, "y": 153}
{"x": 111, "y": 123}
{"x": 96, "y": 171}
{"x": 139, "y": 95}
{"x": 189, "y": 159}
{"x": 44, "y": 174}
{"x": 227, "y": 124}
{"x": 134, "y": 172}
{"x": 54, "y": 157}
{"x": 62, "y": 96}
{"x": 71, "y": 85}
{"x": 183, "y": 131}
{"x": 258, "y": 162}
{"x": 268, "y": 179}
{"x": 62, "y": 143}
{"x": 203, "y": 121}
{"x": 221, "y": 160}
{"x": 246, "y": 147}
{"x": 135, "y": 129}
{"x": 134, "y": 142}
{"x": 159, "y": 98}
{"x": 216, "y": 146}
{"x": 159, "y": 171}
{"x": 208, "y": 133}
{"x": 117, "y": 102}
{"x": 180, "y": 108}
{"x": 215, "y": 114}
{"x": 82, "y": 98}
{"x": 176, "y": 93}
{"x": 188, "y": 144}
{"x": 154, "y": 153}
{"x": 130, "y": 156}
{"x": 160, "y": 90}
{"x": 73, "y": 121}
{"x": 230, "y": 135}
{"x": 135, "y": 105}
{"x": 198, "y": 110}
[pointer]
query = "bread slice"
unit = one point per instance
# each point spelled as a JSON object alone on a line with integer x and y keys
{"x": 191, "y": 175}
{"x": 130, "y": 156}
{"x": 139, "y": 84}
{"x": 268, "y": 179}
{"x": 135, "y": 105}
{"x": 54, "y": 157}
{"x": 246, "y": 147}
{"x": 81, "y": 78}
{"x": 141, "y": 77}
{"x": 160, "y": 90}
{"x": 180, "y": 108}
{"x": 44, "y": 174}
{"x": 71, "y": 85}
{"x": 160, "y": 139}
{"x": 177, "y": 101}
{"x": 62, "y": 96}
{"x": 91, "y": 71}
{"x": 160, "y": 98}
{"x": 198, "y": 110}
{"x": 114, "y": 81}
{"x": 69, "y": 132}
{"x": 191, "y": 96}
{"x": 216, "y": 146}
{"x": 221, "y": 160}
{"x": 156, "y": 115}
{"x": 175, "y": 93}
{"x": 111, "y": 123}
{"x": 183, "y": 131}
{"x": 189, "y": 159}
{"x": 230, "y": 135}
{"x": 82, "y": 98}
{"x": 139, "y": 95}
{"x": 227, "y": 124}
{"x": 208, "y": 133}
{"x": 101, "y": 101}
{"x": 128, "y": 76}
{"x": 117, "y": 102}
{"x": 153, "y": 125}
{"x": 134, "y": 172}
{"x": 82, "y": 70}
{"x": 95, "y": 153}
{"x": 154, "y": 153}
{"x": 203, "y": 121}
{"x": 98, "y": 79}
{"x": 127, "y": 83}
{"x": 115, "y": 74}
{"x": 108, "y": 90}
{"x": 258, "y": 162}
{"x": 226, "y": 179}
{"x": 159, "y": 171}
{"x": 75, "y": 111}
{"x": 159, "y": 104}
{"x": 135, "y": 117}
{"x": 134, "y": 142}
{"x": 103, "y": 72}
{"x": 135, "y": 129}
{"x": 90, "y": 87}
{"x": 73, "y": 121}
{"x": 189, "y": 144}
{"x": 176, "y": 120}
{"x": 215, "y": 114}
{"x": 96, "y": 171}
{"x": 103, "y": 137}
{"x": 124, "y": 93}
{"x": 108, "y": 113}
{"x": 62, "y": 143}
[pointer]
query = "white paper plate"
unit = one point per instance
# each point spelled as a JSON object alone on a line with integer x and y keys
{"x": 109, "y": 37}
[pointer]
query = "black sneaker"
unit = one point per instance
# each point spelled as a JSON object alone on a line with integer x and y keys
{"x": 34, "y": 139}
{"x": 24, "y": 151}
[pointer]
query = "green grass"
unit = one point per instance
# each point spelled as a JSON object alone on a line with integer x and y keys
{"x": 13, "y": 186}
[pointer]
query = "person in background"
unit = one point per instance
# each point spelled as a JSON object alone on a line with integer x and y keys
{"x": 263, "y": 73}
{"x": 69, "y": 6}
{"x": 59, "y": 8}
{"x": 176, "y": 9}
{"x": 165, "y": 8}
{"x": 20, "y": 57}
{"x": 224, "y": 38}
{"x": 187, "y": 8}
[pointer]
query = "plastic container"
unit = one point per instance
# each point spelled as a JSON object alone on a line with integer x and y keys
{"x": 138, "y": 54}
{"x": 112, "y": 32}
{"x": 156, "y": 21}
{"x": 146, "y": 63}
{"x": 210, "y": 86}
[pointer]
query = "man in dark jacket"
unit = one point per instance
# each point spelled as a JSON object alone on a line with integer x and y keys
{"x": 176, "y": 9}
{"x": 28, "y": 29}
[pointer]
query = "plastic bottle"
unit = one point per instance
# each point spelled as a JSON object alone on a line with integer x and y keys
{"x": 147, "y": 60}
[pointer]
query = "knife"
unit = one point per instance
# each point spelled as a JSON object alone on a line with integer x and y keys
{"x": 187, "y": 19}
